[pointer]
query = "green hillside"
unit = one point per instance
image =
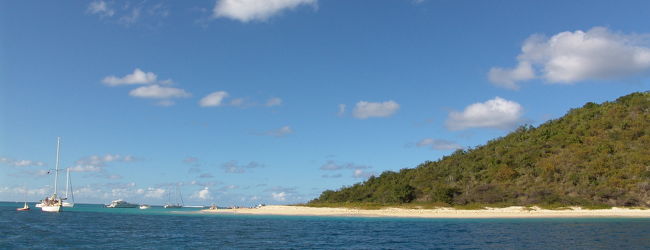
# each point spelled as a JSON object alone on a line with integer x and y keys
{"x": 595, "y": 155}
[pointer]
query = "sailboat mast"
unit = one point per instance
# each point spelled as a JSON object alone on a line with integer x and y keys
{"x": 56, "y": 170}
{"x": 181, "y": 195}
{"x": 67, "y": 182}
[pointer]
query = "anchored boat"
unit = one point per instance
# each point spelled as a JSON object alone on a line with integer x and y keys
{"x": 53, "y": 203}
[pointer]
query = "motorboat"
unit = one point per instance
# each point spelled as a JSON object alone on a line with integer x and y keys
{"x": 144, "y": 206}
{"x": 121, "y": 204}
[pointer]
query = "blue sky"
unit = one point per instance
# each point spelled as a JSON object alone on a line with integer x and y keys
{"x": 245, "y": 102}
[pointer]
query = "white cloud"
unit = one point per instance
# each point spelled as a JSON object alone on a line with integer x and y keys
{"x": 154, "y": 193}
{"x": 273, "y": 102}
{"x": 203, "y": 194}
{"x": 255, "y": 10}
{"x": 365, "y": 109}
{"x": 128, "y": 13}
{"x": 214, "y": 99}
{"x": 158, "y": 92}
{"x": 21, "y": 163}
{"x": 137, "y": 77}
{"x": 281, "y": 196}
{"x": 570, "y": 57}
{"x": 496, "y": 113}
{"x": 96, "y": 163}
{"x": 360, "y": 173}
{"x": 85, "y": 168}
{"x": 438, "y": 144}
{"x": 280, "y": 132}
{"x": 508, "y": 78}
{"x": 100, "y": 8}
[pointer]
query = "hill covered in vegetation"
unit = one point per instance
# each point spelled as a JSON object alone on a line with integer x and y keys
{"x": 598, "y": 154}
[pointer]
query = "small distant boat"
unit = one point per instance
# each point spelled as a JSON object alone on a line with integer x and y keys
{"x": 173, "y": 206}
{"x": 144, "y": 206}
{"x": 24, "y": 208}
{"x": 121, "y": 204}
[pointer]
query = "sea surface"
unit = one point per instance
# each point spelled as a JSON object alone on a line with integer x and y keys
{"x": 93, "y": 226}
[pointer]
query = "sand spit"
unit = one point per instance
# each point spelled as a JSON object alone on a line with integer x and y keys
{"x": 508, "y": 212}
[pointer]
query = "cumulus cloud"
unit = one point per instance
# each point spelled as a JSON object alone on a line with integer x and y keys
{"x": 96, "y": 163}
{"x": 508, "y": 78}
{"x": 25, "y": 191}
{"x": 154, "y": 193}
{"x": 255, "y": 10}
{"x": 159, "y": 92}
{"x": 214, "y": 99}
{"x": 438, "y": 144}
{"x": 496, "y": 113}
{"x": 21, "y": 163}
{"x": 364, "y": 110}
{"x": 203, "y": 194}
{"x": 235, "y": 168}
{"x": 137, "y": 77}
{"x": 280, "y": 196}
{"x": 569, "y": 57}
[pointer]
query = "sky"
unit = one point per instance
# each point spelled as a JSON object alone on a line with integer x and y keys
{"x": 240, "y": 102}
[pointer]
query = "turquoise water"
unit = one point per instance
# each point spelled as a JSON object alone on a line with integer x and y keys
{"x": 92, "y": 226}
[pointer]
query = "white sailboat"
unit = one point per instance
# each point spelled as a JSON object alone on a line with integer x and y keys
{"x": 53, "y": 203}
{"x": 169, "y": 202}
{"x": 68, "y": 187}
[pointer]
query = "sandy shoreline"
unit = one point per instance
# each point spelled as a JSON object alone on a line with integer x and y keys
{"x": 508, "y": 212}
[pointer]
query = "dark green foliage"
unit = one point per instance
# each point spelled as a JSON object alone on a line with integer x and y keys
{"x": 595, "y": 155}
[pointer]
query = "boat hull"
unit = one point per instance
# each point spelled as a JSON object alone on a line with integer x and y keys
{"x": 51, "y": 208}
{"x": 68, "y": 204}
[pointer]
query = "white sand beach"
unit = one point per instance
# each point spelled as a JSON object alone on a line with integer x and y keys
{"x": 508, "y": 212}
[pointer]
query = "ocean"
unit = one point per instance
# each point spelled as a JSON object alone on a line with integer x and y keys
{"x": 93, "y": 226}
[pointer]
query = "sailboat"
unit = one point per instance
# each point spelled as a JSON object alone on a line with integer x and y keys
{"x": 169, "y": 202}
{"x": 68, "y": 187}
{"x": 53, "y": 203}
{"x": 24, "y": 208}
